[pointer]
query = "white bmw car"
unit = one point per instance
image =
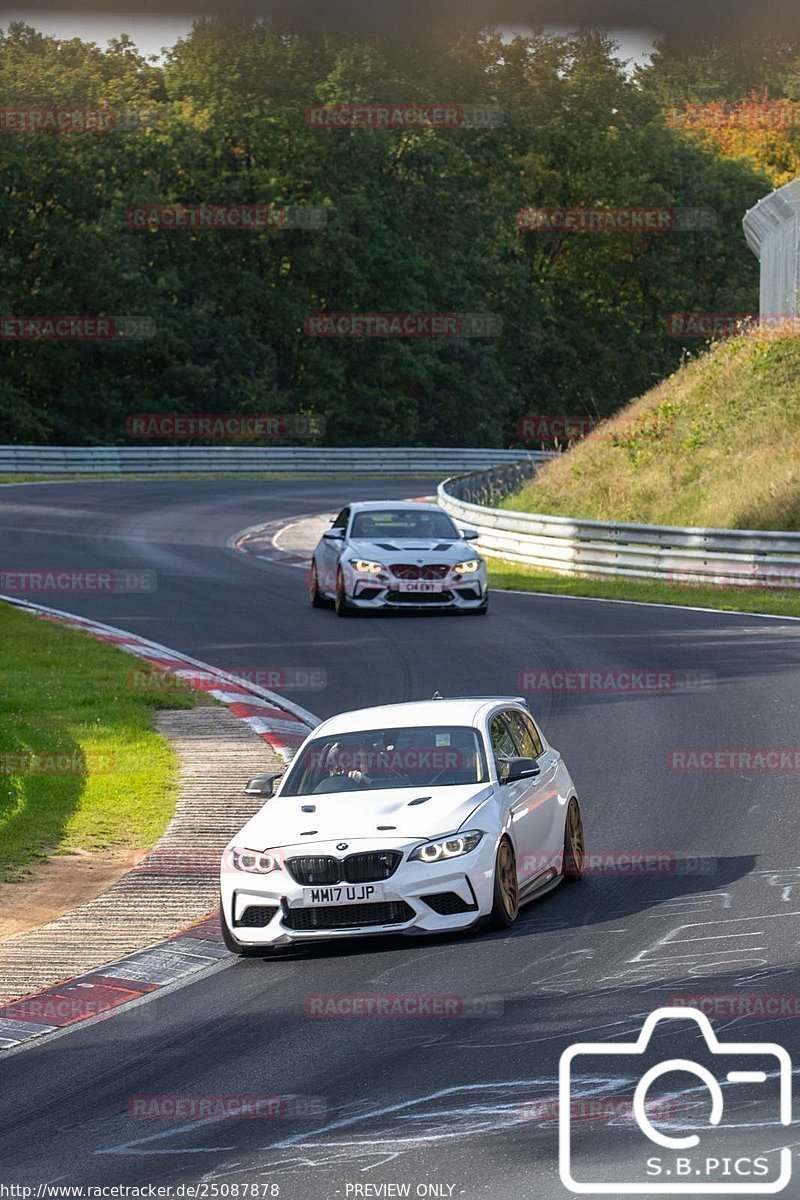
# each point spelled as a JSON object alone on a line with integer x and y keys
{"x": 397, "y": 554}
{"x": 414, "y": 818}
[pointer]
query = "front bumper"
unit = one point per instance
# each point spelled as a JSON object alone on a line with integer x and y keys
{"x": 385, "y": 591}
{"x": 419, "y": 898}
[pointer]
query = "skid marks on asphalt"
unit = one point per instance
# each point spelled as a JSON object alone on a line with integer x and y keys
{"x": 367, "y": 1138}
{"x": 705, "y": 937}
{"x": 738, "y": 945}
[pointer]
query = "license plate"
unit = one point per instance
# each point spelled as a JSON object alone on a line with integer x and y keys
{"x": 342, "y": 893}
{"x": 420, "y": 585}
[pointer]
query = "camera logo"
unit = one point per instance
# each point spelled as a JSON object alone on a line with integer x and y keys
{"x": 676, "y": 1171}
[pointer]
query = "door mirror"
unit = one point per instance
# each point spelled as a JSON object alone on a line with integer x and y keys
{"x": 470, "y": 535}
{"x": 262, "y": 787}
{"x": 513, "y": 769}
{"x": 333, "y": 535}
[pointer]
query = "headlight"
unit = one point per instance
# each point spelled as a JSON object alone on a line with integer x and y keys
{"x": 254, "y": 861}
{"x": 366, "y": 568}
{"x": 451, "y": 847}
{"x": 466, "y": 568}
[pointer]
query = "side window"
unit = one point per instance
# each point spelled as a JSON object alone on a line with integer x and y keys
{"x": 522, "y": 735}
{"x": 342, "y": 519}
{"x": 503, "y": 744}
{"x": 534, "y": 733}
{"x": 525, "y": 734}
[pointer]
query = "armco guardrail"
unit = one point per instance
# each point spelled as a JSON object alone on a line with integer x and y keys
{"x": 362, "y": 460}
{"x": 772, "y": 230}
{"x": 676, "y": 554}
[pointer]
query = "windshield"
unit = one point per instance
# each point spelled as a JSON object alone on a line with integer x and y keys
{"x": 397, "y": 523}
{"x": 375, "y": 759}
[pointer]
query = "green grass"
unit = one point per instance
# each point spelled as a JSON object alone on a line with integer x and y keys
{"x": 514, "y": 576}
{"x": 61, "y": 690}
{"x": 717, "y": 444}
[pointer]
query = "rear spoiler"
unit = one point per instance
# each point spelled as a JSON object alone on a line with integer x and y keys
{"x": 521, "y": 700}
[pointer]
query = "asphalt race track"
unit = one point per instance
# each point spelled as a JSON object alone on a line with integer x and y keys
{"x": 429, "y": 1101}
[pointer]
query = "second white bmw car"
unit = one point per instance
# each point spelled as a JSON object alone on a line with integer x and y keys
{"x": 397, "y": 554}
{"x": 410, "y": 818}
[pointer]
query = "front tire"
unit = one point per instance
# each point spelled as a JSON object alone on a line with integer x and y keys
{"x": 574, "y": 843}
{"x": 341, "y": 604}
{"x": 505, "y": 905}
{"x": 314, "y": 594}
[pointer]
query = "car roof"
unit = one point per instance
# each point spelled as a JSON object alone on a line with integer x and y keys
{"x": 465, "y": 710}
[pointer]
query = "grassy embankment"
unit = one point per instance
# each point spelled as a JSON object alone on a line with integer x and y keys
{"x": 115, "y": 782}
{"x": 717, "y": 444}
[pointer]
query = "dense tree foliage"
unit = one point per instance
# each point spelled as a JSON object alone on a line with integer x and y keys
{"x": 416, "y": 220}
{"x": 740, "y": 99}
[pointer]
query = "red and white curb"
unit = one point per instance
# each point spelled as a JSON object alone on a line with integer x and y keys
{"x": 261, "y": 541}
{"x": 98, "y": 993}
{"x": 279, "y": 722}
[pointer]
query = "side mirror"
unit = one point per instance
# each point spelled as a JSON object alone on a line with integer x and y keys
{"x": 262, "y": 787}
{"x": 470, "y": 535}
{"x": 333, "y": 535}
{"x": 513, "y": 769}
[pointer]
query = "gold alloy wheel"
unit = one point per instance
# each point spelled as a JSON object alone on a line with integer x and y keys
{"x": 575, "y": 848}
{"x": 314, "y": 594}
{"x": 341, "y": 604}
{"x": 507, "y": 880}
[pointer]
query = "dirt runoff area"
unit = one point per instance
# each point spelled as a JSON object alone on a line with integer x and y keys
{"x": 58, "y": 885}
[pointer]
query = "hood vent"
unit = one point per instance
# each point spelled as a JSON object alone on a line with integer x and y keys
{"x": 407, "y": 544}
